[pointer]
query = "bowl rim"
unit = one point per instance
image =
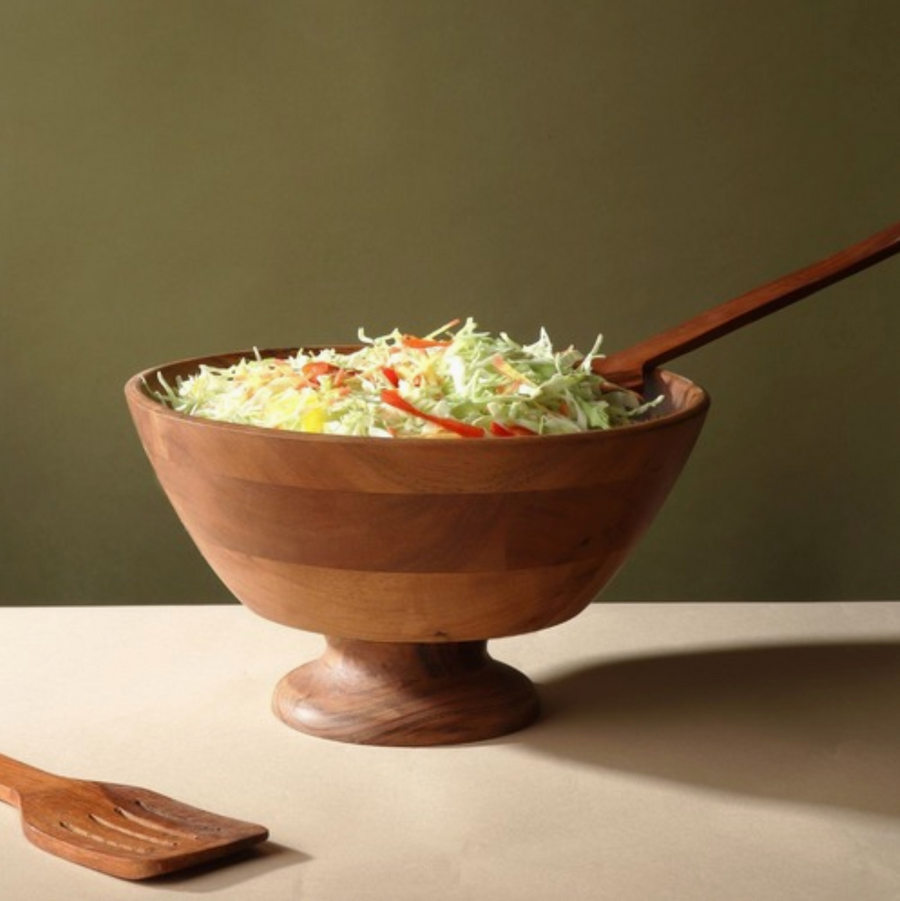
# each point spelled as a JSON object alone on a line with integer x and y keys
{"x": 138, "y": 391}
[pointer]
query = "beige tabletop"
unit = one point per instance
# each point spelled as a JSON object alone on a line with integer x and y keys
{"x": 687, "y": 751}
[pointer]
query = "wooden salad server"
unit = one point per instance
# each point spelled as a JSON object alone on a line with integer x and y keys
{"x": 121, "y": 830}
{"x": 629, "y": 367}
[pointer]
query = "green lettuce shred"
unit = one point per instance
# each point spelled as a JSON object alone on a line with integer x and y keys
{"x": 458, "y": 381}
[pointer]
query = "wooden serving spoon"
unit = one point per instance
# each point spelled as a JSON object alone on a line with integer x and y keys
{"x": 629, "y": 367}
{"x": 121, "y": 830}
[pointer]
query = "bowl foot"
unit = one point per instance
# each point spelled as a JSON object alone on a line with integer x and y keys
{"x": 406, "y": 694}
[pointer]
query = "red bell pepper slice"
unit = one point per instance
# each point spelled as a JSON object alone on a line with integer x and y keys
{"x": 415, "y": 343}
{"x": 393, "y": 399}
{"x": 510, "y": 431}
{"x": 314, "y": 370}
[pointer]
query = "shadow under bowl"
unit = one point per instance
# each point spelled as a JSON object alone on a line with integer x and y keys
{"x": 409, "y": 554}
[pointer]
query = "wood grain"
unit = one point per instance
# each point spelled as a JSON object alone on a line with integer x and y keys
{"x": 413, "y": 540}
{"x": 121, "y": 830}
{"x": 406, "y": 694}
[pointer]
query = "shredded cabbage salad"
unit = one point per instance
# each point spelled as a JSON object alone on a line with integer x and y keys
{"x": 457, "y": 382}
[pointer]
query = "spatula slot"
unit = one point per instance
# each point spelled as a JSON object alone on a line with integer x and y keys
{"x": 174, "y": 830}
{"x": 203, "y": 825}
{"x": 75, "y": 829}
{"x": 143, "y": 836}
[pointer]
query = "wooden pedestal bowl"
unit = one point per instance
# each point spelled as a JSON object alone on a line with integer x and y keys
{"x": 408, "y": 555}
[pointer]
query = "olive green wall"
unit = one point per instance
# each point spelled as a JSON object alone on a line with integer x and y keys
{"x": 189, "y": 176}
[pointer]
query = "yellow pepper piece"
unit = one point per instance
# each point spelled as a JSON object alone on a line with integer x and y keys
{"x": 313, "y": 420}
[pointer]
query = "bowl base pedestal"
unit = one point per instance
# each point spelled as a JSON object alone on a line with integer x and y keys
{"x": 406, "y": 694}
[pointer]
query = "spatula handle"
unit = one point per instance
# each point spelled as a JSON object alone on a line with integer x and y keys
{"x": 17, "y": 778}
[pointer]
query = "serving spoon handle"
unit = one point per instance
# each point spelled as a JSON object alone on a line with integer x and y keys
{"x": 629, "y": 367}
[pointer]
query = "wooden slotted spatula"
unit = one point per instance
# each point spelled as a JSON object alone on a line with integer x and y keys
{"x": 121, "y": 830}
{"x": 630, "y": 366}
